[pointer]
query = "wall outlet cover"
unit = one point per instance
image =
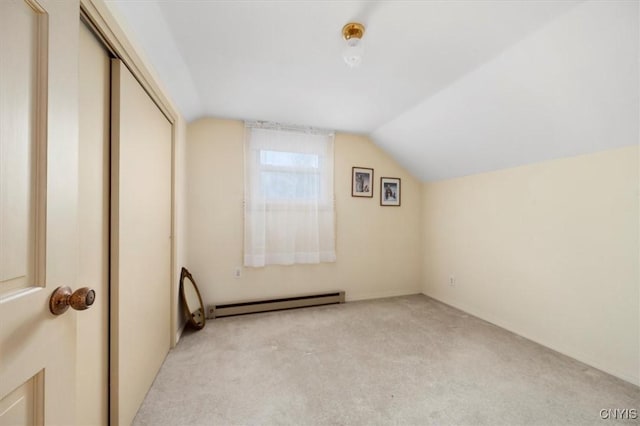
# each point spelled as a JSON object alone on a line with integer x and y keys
{"x": 210, "y": 311}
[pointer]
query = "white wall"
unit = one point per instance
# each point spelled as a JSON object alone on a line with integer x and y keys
{"x": 549, "y": 251}
{"x": 378, "y": 248}
{"x": 570, "y": 88}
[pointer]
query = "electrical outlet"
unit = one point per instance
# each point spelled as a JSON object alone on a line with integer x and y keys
{"x": 452, "y": 280}
{"x": 210, "y": 311}
{"x": 237, "y": 273}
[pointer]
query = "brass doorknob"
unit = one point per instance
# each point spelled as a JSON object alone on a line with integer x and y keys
{"x": 79, "y": 300}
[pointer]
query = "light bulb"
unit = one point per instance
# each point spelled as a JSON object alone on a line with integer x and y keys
{"x": 353, "y": 52}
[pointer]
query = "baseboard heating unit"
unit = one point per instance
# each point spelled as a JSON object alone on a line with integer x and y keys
{"x": 264, "y": 305}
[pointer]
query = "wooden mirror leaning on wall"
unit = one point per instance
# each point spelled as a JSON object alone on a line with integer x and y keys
{"x": 191, "y": 300}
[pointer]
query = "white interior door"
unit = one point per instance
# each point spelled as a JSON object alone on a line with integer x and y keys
{"x": 141, "y": 149}
{"x": 92, "y": 407}
{"x": 38, "y": 209}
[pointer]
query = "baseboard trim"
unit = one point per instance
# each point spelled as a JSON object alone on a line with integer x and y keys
{"x": 180, "y": 331}
{"x": 353, "y": 297}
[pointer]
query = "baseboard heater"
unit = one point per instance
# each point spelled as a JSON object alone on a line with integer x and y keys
{"x": 265, "y": 305}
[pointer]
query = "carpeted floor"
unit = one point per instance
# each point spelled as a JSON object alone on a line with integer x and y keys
{"x": 404, "y": 360}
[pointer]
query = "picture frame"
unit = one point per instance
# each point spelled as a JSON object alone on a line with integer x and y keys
{"x": 390, "y": 191}
{"x": 361, "y": 182}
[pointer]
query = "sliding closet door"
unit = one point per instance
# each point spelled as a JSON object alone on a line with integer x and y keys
{"x": 140, "y": 243}
{"x": 92, "y": 358}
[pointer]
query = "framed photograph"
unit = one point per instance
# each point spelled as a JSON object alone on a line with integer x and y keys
{"x": 362, "y": 182}
{"x": 389, "y": 191}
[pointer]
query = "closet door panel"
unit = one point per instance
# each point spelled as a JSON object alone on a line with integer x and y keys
{"x": 140, "y": 245}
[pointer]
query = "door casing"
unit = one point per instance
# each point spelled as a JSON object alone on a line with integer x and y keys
{"x": 92, "y": 405}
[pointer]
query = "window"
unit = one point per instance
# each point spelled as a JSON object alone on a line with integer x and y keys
{"x": 289, "y": 211}
{"x": 289, "y": 176}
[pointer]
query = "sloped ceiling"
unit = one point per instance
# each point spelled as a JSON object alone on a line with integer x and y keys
{"x": 448, "y": 88}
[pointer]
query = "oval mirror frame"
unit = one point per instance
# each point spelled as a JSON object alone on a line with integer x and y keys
{"x": 195, "y": 314}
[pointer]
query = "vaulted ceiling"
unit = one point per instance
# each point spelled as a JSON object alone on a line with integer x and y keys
{"x": 448, "y": 88}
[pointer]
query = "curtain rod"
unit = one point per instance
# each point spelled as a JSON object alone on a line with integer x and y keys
{"x": 270, "y": 125}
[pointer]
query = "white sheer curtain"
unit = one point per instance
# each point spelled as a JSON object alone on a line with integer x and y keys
{"x": 289, "y": 205}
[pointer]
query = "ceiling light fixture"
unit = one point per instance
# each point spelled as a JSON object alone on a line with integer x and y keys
{"x": 352, "y": 33}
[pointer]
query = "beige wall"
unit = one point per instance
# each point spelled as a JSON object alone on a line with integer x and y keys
{"x": 179, "y": 218}
{"x": 378, "y": 248}
{"x": 549, "y": 251}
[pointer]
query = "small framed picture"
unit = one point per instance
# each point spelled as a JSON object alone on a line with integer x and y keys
{"x": 361, "y": 182}
{"x": 389, "y": 191}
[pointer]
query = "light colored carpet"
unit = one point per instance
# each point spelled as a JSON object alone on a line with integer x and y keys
{"x": 402, "y": 360}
